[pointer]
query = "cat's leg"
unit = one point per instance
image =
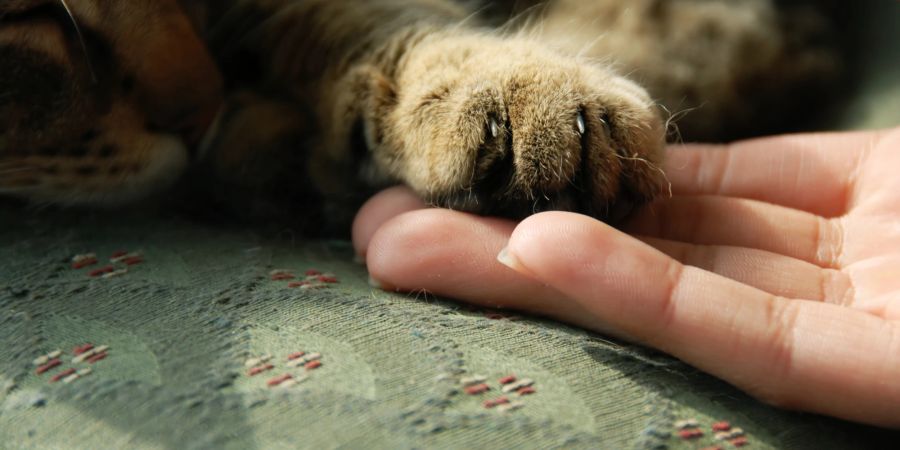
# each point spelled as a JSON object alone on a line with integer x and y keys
{"x": 256, "y": 166}
{"x": 418, "y": 93}
{"x": 722, "y": 68}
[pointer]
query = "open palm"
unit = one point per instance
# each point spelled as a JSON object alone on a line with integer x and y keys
{"x": 775, "y": 266}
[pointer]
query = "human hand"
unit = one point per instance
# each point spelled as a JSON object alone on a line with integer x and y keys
{"x": 775, "y": 266}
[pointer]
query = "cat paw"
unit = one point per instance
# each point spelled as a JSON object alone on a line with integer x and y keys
{"x": 504, "y": 126}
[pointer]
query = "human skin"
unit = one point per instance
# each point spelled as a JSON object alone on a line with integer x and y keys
{"x": 775, "y": 266}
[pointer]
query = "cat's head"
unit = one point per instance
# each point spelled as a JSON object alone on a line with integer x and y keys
{"x": 507, "y": 126}
{"x": 99, "y": 100}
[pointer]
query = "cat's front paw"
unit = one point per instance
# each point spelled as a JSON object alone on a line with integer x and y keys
{"x": 506, "y": 127}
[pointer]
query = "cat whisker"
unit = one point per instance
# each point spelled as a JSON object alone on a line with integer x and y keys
{"x": 87, "y": 56}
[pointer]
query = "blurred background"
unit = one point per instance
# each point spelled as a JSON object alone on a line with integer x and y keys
{"x": 872, "y": 99}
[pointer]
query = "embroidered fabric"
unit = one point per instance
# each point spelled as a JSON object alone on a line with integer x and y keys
{"x": 181, "y": 325}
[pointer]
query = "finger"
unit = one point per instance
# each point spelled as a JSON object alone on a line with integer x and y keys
{"x": 769, "y": 272}
{"x": 878, "y": 188}
{"x": 810, "y": 172}
{"x": 379, "y": 209}
{"x": 886, "y": 306}
{"x": 797, "y": 354}
{"x": 712, "y": 220}
{"x": 877, "y": 285}
{"x": 453, "y": 254}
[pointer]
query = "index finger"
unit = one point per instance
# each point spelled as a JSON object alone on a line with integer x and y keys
{"x": 793, "y": 353}
{"x": 810, "y": 172}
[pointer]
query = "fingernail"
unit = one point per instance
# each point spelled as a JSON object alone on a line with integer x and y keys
{"x": 381, "y": 285}
{"x": 507, "y": 259}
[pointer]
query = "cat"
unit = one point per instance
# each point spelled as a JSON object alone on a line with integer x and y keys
{"x": 309, "y": 106}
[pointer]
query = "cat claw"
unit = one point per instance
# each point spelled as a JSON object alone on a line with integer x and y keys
{"x": 495, "y": 128}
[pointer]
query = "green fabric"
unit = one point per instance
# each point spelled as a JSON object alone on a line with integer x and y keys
{"x": 181, "y": 325}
